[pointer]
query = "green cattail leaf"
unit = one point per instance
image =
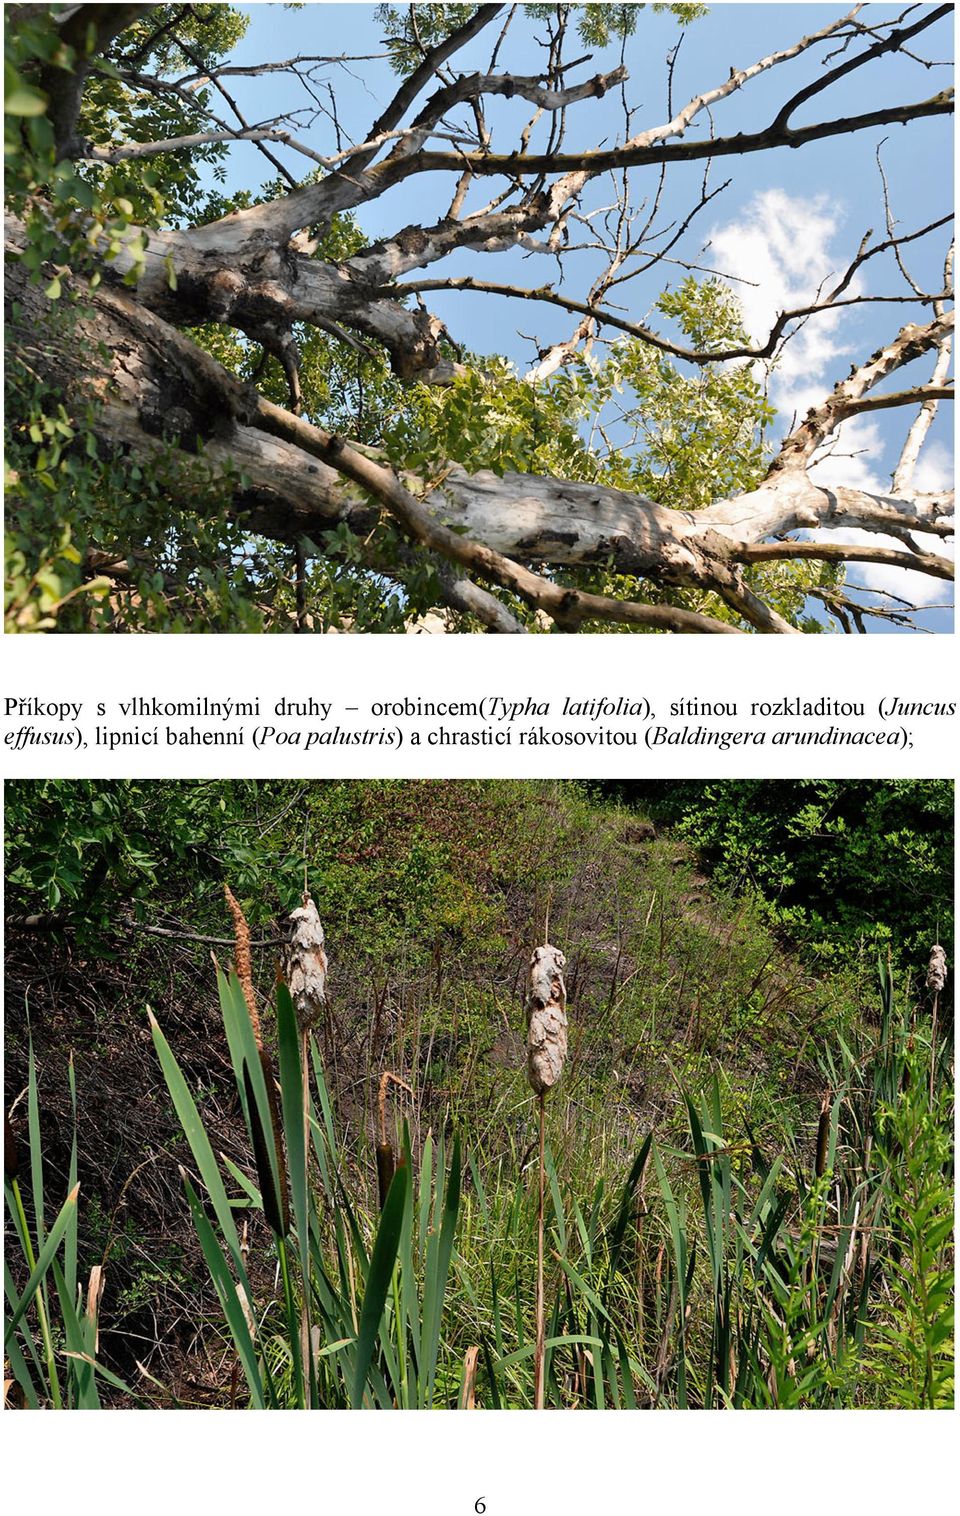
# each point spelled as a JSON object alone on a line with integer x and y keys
{"x": 255, "y": 1084}
{"x": 584, "y": 1288}
{"x": 44, "y": 1261}
{"x": 619, "y": 1232}
{"x": 559, "y": 1217}
{"x": 247, "y": 1185}
{"x": 293, "y": 1096}
{"x": 433, "y": 1309}
{"x": 410, "y": 1303}
{"x": 36, "y": 1145}
{"x": 25, "y": 1335}
{"x": 226, "y": 1289}
{"x": 70, "y": 1244}
{"x": 577, "y": 1340}
{"x": 103, "y": 1372}
{"x": 85, "y": 1395}
{"x": 426, "y": 1186}
{"x": 262, "y": 1143}
{"x": 21, "y": 1373}
{"x": 195, "y": 1133}
{"x": 495, "y": 1402}
{"x": 278, "y": 1150}
{"x": 379, "y": 1274}
{"x": 239, "y": 1032}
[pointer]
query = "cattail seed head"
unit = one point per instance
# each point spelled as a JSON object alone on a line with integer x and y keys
{"x": 546, "y": 1007}
{"x": 305, "y": 964}
{"x": 386, "y": 1168}
{"x": 387, "y": 1161}
{"x": 242, "y": 961}
{"x": 276, "y": 1206}
{"x": 937, "y": 969}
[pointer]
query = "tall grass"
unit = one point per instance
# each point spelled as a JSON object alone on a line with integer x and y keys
{"x": 721, "y": 1264}
{"x": 50, "y": 1334}
{"x": 716, "y": 1275}
{"x": 376, "y": 1291}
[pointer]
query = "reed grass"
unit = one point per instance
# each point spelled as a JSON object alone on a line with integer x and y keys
{"x": 746, "y": 1279}
{"x": 61, "y": 1370}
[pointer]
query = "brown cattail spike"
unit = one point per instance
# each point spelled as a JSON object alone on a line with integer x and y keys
{"x": 546, "y": 1007}
{"x": 276, "y": 1205}
{"x": 386, "y": 1168}
{"x": 305, "y": 964}
{"x": 387, "y": 1164}
{"x": 242, "y": 961}
{"x": 386, "y": 1079}
{"x": 273, "y": 1190}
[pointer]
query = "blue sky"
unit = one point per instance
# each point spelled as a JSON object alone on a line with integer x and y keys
{"x": 787, "y": 220}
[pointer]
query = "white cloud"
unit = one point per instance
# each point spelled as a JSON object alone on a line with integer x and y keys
{"x": 851, "y": 458}
{"x": 934, "y": 469}
{"x": 918, "y": 589}
{"x": 783, "y": 246}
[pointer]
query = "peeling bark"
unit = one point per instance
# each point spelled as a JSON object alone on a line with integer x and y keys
{"x": 161, "y": 390}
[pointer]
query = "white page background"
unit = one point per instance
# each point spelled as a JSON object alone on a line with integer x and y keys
{"x": 521, "y": 1463}
{"x": 441, "y": 1463}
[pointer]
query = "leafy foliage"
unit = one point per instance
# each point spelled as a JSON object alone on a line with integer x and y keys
{"x": 599, "y": 25}
{"x": 186, "y": 565}
{"x": 835, "y": 861}
{"x": 915, "y": 1349}
{"x": 410, "y": 31}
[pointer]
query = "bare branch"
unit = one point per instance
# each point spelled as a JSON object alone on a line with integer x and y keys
{"x": 845, "y": 552}
{"x": 891, "y": 43}
{"x": 548, "y": 296}
{"x": 421, "y": 76}
{"x": 904, "y": 472}
{"x": 848, "y": 397}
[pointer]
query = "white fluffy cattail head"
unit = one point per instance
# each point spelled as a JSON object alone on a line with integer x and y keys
{"x": 305, "y": 963}
{"x": 937, "y": 969}
{"x": 546, "y": 1007}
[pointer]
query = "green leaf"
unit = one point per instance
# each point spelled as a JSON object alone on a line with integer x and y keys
{"x": 378, "y": 1282}
{"x": 19, "y": 99}
{"x": 195, "y": 1133}
{"x": 226, "y": 1288}
{"x": 292, "y": 1096}
{"x": 45, "y": 1259}
{"x": 435, "y": 1283}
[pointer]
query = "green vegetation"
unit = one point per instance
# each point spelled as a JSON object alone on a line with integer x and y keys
{"x": 749, "y": 1155}
{"x": 834, "y": 862}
